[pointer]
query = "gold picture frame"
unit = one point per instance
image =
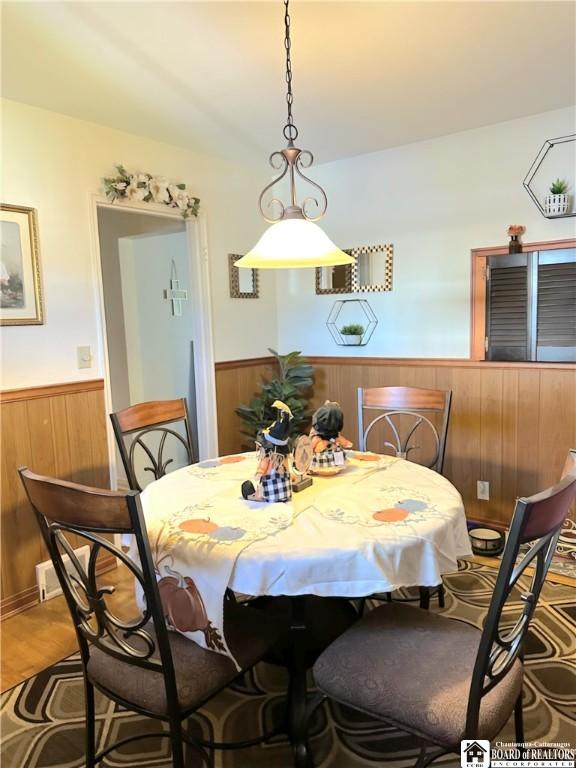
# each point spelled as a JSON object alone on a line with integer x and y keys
{"x": 236, "y": 289}
{"x": 20, "y": 283}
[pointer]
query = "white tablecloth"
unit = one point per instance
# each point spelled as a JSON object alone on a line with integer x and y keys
{"x": 374, "y": 527}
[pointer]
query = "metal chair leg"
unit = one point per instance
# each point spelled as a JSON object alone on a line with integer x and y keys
{"x": 441, "y": 596}
{"x": 519, "y": 720}
{"x": 90, "y": 725}
{"x": 425, "y": 598}
{"x": 177, "y": 744}
{"x": 421, "y": 757}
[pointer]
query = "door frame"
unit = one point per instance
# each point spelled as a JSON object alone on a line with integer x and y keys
{"x": 200, "y": 296}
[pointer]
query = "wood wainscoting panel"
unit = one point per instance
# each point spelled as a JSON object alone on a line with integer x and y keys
{"x": 511, "y": 423}
{"x": 237, "y": 382}
{"x": 59, "y": 431}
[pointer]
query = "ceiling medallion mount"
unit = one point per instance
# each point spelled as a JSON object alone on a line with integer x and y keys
{"x": 293, "y": 240}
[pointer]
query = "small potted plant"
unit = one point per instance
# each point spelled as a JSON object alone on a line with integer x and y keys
{"x": 352, "y": 333}
{"x": 556, "y": 203}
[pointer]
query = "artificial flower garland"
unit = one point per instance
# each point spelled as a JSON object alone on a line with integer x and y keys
{"x": 150, "y": 189}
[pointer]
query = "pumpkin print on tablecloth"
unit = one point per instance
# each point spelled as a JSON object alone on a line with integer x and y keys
{"x": 198, "y": 525}
{"x": 231, "y": 459}
{"x": 366, "y": 456}
{"x": 394, "y": 515}
{"x": 184, "y": 608}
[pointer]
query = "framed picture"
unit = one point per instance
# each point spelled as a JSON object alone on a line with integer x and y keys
{"x": 20, "y": 287}
{"x": 243, "y": 282}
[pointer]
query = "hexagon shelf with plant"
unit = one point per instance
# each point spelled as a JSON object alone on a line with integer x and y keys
{"x": 546, "y": 182}
{"x": 351, "y": 322}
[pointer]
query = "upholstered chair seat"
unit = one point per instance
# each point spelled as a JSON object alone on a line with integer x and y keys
{"x": 413, "y": 668}
{"x": 199, "y": 673}
{"x": 440, "y": 679}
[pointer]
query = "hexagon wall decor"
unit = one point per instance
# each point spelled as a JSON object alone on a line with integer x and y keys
{"x": 340, "y": 313}
{"x": 542, "y": 157}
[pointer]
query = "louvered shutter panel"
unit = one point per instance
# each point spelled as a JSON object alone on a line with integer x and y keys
{"x": 556, "y": 325}
{"x": 507, "y": 316}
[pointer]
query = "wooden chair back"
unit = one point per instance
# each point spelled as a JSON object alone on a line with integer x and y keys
{"x": 64, "y": 509}
{"x": 537, "y": 519}
{"x": 393, "y": 406}
{"x": 143, "y": 429}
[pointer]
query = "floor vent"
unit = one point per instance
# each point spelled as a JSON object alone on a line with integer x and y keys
{"x": 48, "y": 584}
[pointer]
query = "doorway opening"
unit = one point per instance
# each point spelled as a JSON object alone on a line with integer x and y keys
{"x": 151, "y": 327}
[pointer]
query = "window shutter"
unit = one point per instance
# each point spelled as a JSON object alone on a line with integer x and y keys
{"x": 507, "y": 326}
{"x": 556, "y": 326}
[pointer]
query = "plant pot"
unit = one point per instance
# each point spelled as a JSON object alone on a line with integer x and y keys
{"x": 514, "y": 246}
{"x": 556, "y": 205}
{"x": 352, "y": 339}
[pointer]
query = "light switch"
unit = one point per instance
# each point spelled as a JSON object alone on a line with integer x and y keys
{"x": 84, "y": 357}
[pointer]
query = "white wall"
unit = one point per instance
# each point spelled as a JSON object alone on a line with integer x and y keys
{"x": 55, "y": 164}
{"x": 158, "y": 344}
{"x": 114, "y": 224}
{"x": 434, "y": 200}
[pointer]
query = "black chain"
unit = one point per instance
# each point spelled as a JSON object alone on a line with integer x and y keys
{"x": 290, "y": 130}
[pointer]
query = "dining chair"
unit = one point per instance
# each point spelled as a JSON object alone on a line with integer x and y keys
{"x": 143, "y": 429}
{"x": 137, "y": 662}
{"x": 406, "y": 414}
{"x": 442, "y": 679}
{"x": 392, "y": 406}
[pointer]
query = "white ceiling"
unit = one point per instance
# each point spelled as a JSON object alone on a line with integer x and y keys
{"x": 367, "y": 75}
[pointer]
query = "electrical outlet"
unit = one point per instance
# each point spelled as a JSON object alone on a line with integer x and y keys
{"x": 483, "y": 490}
{"x": 84, "y": 357}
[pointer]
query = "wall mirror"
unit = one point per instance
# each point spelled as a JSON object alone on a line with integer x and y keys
{"x": 243, "y": 282}
{"x": 371, "y": 272}
{"x": 336, "y": 279}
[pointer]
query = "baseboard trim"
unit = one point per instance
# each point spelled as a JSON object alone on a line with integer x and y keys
{"x": 28, "y": 598}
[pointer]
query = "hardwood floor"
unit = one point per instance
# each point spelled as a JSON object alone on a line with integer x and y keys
{"x": 40, "y": 636}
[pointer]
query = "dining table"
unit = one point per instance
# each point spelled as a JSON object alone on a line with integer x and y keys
{"x": 379, "y": 524}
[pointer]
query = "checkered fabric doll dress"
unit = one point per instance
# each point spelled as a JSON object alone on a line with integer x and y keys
{"x": 327, "y": 458}
{"x": 276, "y": 485}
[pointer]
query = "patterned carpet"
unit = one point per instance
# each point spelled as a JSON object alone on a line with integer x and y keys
{"x": 42, "y": 719}
{"x": 564, "y": 560}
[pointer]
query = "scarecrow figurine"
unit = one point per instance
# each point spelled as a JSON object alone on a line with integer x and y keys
{"x": 272, "y": 479}
{"x": 328, "y": 443}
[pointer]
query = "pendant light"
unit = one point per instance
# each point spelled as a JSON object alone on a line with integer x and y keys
{"x": 293, "y": 239}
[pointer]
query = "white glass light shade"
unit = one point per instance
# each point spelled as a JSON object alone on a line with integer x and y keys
{"x": 294, "y": 243}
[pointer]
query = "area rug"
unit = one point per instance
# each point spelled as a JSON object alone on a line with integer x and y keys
{"x": 564, "y": 560}
{"x": 42, "y": 720}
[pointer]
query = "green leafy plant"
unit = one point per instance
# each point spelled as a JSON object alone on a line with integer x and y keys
{"x": 352, "y": 329}
{"x": 558, "y": 187}
{"x": 290, "y": 385}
